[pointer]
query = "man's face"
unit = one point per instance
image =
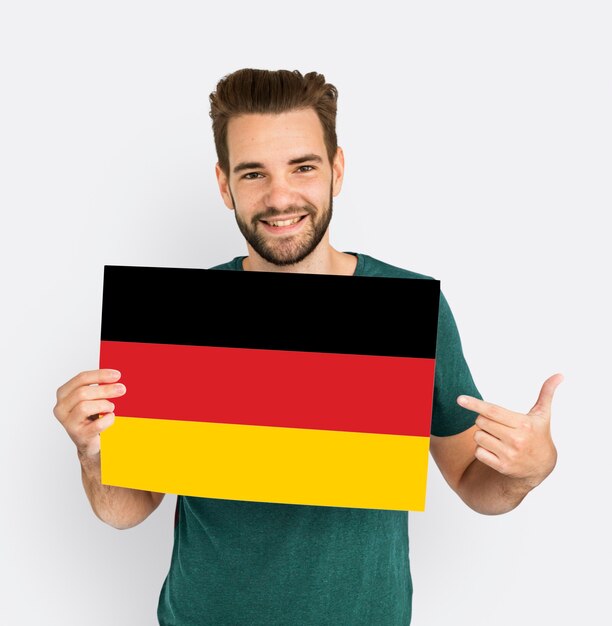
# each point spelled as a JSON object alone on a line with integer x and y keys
{"x": 279, "y": 170}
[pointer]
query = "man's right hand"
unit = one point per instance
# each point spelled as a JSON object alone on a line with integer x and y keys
{"x": 84, "y": 410}
{"x": 79, "y": 403}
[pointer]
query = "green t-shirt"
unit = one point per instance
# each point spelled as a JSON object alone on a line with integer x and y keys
{"x": 241, "y": 563}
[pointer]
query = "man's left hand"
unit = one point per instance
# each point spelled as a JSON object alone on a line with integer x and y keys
{"x": 515, "y": 444}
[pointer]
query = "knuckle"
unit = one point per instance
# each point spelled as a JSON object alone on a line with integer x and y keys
{"x": 99, "y": 425}
{"x": 104, "y": 423}
{"x": 83, "y": 410}
{"x": 520, "y": 443}
{"x": 82, "y": 394}
{"x": 80, "y": 378}
{"x": 95, "y": 408}
{"x": 60, "y": 414}
{"x": 494, "y": 411}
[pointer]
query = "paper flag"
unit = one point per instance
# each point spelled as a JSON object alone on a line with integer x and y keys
{"x": 269, "y": 386}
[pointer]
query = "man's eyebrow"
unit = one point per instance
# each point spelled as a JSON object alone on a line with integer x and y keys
{"x": 307, "y": 157}
{"x": 251, "y": 165}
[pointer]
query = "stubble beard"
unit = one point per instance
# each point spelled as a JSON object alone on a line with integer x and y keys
{"x": 288, "y": 249}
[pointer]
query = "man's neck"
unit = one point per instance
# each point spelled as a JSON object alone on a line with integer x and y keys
{"x": 330, "y": 261}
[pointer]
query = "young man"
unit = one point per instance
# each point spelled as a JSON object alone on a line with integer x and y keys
{"x": 236, "y": 562}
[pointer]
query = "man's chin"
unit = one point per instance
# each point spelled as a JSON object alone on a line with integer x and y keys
{"x": 283, "y": 260}
{"x": 283, "y": 251}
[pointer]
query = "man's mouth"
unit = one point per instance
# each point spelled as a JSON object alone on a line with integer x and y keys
{"x": 286, "y": 222}
{"x": 282, "y": 226}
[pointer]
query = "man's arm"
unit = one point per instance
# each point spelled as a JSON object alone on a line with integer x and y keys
{"x": 119, "y": 507}
{"x": 493, "y": 465}
{"x": 482, "y": 488}
{"x": 84, "y": 411}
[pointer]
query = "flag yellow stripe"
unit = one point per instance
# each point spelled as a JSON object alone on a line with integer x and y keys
{"x": 266, "y": 464}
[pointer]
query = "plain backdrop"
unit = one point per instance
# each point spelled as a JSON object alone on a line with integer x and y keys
{"x": 477, "y": 138}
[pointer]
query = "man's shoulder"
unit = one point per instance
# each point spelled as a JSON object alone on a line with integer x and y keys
{"x": 375, "y": 267}
{"x": 234, "y": 264}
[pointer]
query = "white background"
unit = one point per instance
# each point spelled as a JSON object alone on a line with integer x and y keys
{"x": 477, "y": 137}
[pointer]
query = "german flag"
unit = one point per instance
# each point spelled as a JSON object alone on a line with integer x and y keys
{"x": 270, "y": 386}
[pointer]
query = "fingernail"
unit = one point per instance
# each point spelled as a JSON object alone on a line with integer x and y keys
{"x": 115, "y": 373}
{"x": 462, "y": 400}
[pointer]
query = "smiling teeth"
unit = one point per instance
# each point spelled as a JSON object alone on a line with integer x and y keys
{"x": 285, "y": 222}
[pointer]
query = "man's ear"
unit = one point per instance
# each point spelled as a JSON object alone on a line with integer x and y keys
{"x": 223, "y": 183}
{"x": 338, "y": 171}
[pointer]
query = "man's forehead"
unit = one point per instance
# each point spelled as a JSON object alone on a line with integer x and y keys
{"x": 282, "y": 136}
{"x": 306, "y": 116}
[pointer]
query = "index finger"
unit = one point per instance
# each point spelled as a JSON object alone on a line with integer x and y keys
{"x": 488, "y": 409}
{"x": 88, "y": 377}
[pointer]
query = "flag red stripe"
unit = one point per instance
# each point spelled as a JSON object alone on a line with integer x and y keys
{"x": 327, "y": 391}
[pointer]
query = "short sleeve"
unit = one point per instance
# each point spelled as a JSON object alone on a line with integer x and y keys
{"x": 452, "y": 378}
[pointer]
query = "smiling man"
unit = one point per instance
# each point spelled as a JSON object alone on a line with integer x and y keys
{"x": 236, "y": 562}
{"x": 303, "y": 185}
{"x": 285, "y": 182}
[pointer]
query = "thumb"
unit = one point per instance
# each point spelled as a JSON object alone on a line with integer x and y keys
{"x": 544, "y": 402}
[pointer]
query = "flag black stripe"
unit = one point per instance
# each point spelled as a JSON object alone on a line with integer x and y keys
{"x": 370, "y": 315}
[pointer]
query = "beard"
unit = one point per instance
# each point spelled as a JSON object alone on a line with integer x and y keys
{"x": 289, "y": 249}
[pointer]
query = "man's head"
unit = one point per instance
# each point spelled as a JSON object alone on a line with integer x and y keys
{"x": 278, "y": 158}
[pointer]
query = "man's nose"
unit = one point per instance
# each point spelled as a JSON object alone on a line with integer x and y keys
{"x": 280, "y": 194}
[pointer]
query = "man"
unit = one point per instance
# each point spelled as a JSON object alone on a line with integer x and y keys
{"x": 237, "y": 562}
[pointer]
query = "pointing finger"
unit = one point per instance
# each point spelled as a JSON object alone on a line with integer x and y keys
{"x": 490, "y": 410}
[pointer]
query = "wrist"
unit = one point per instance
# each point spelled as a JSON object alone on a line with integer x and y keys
{"x": 90, "y": 463}
{"x": 547, "y": 466}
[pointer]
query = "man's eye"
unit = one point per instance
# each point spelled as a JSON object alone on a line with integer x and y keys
{"x": 254, "y": 175}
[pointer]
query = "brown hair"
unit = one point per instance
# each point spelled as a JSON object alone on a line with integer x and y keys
{"x": 266, "y": 91}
